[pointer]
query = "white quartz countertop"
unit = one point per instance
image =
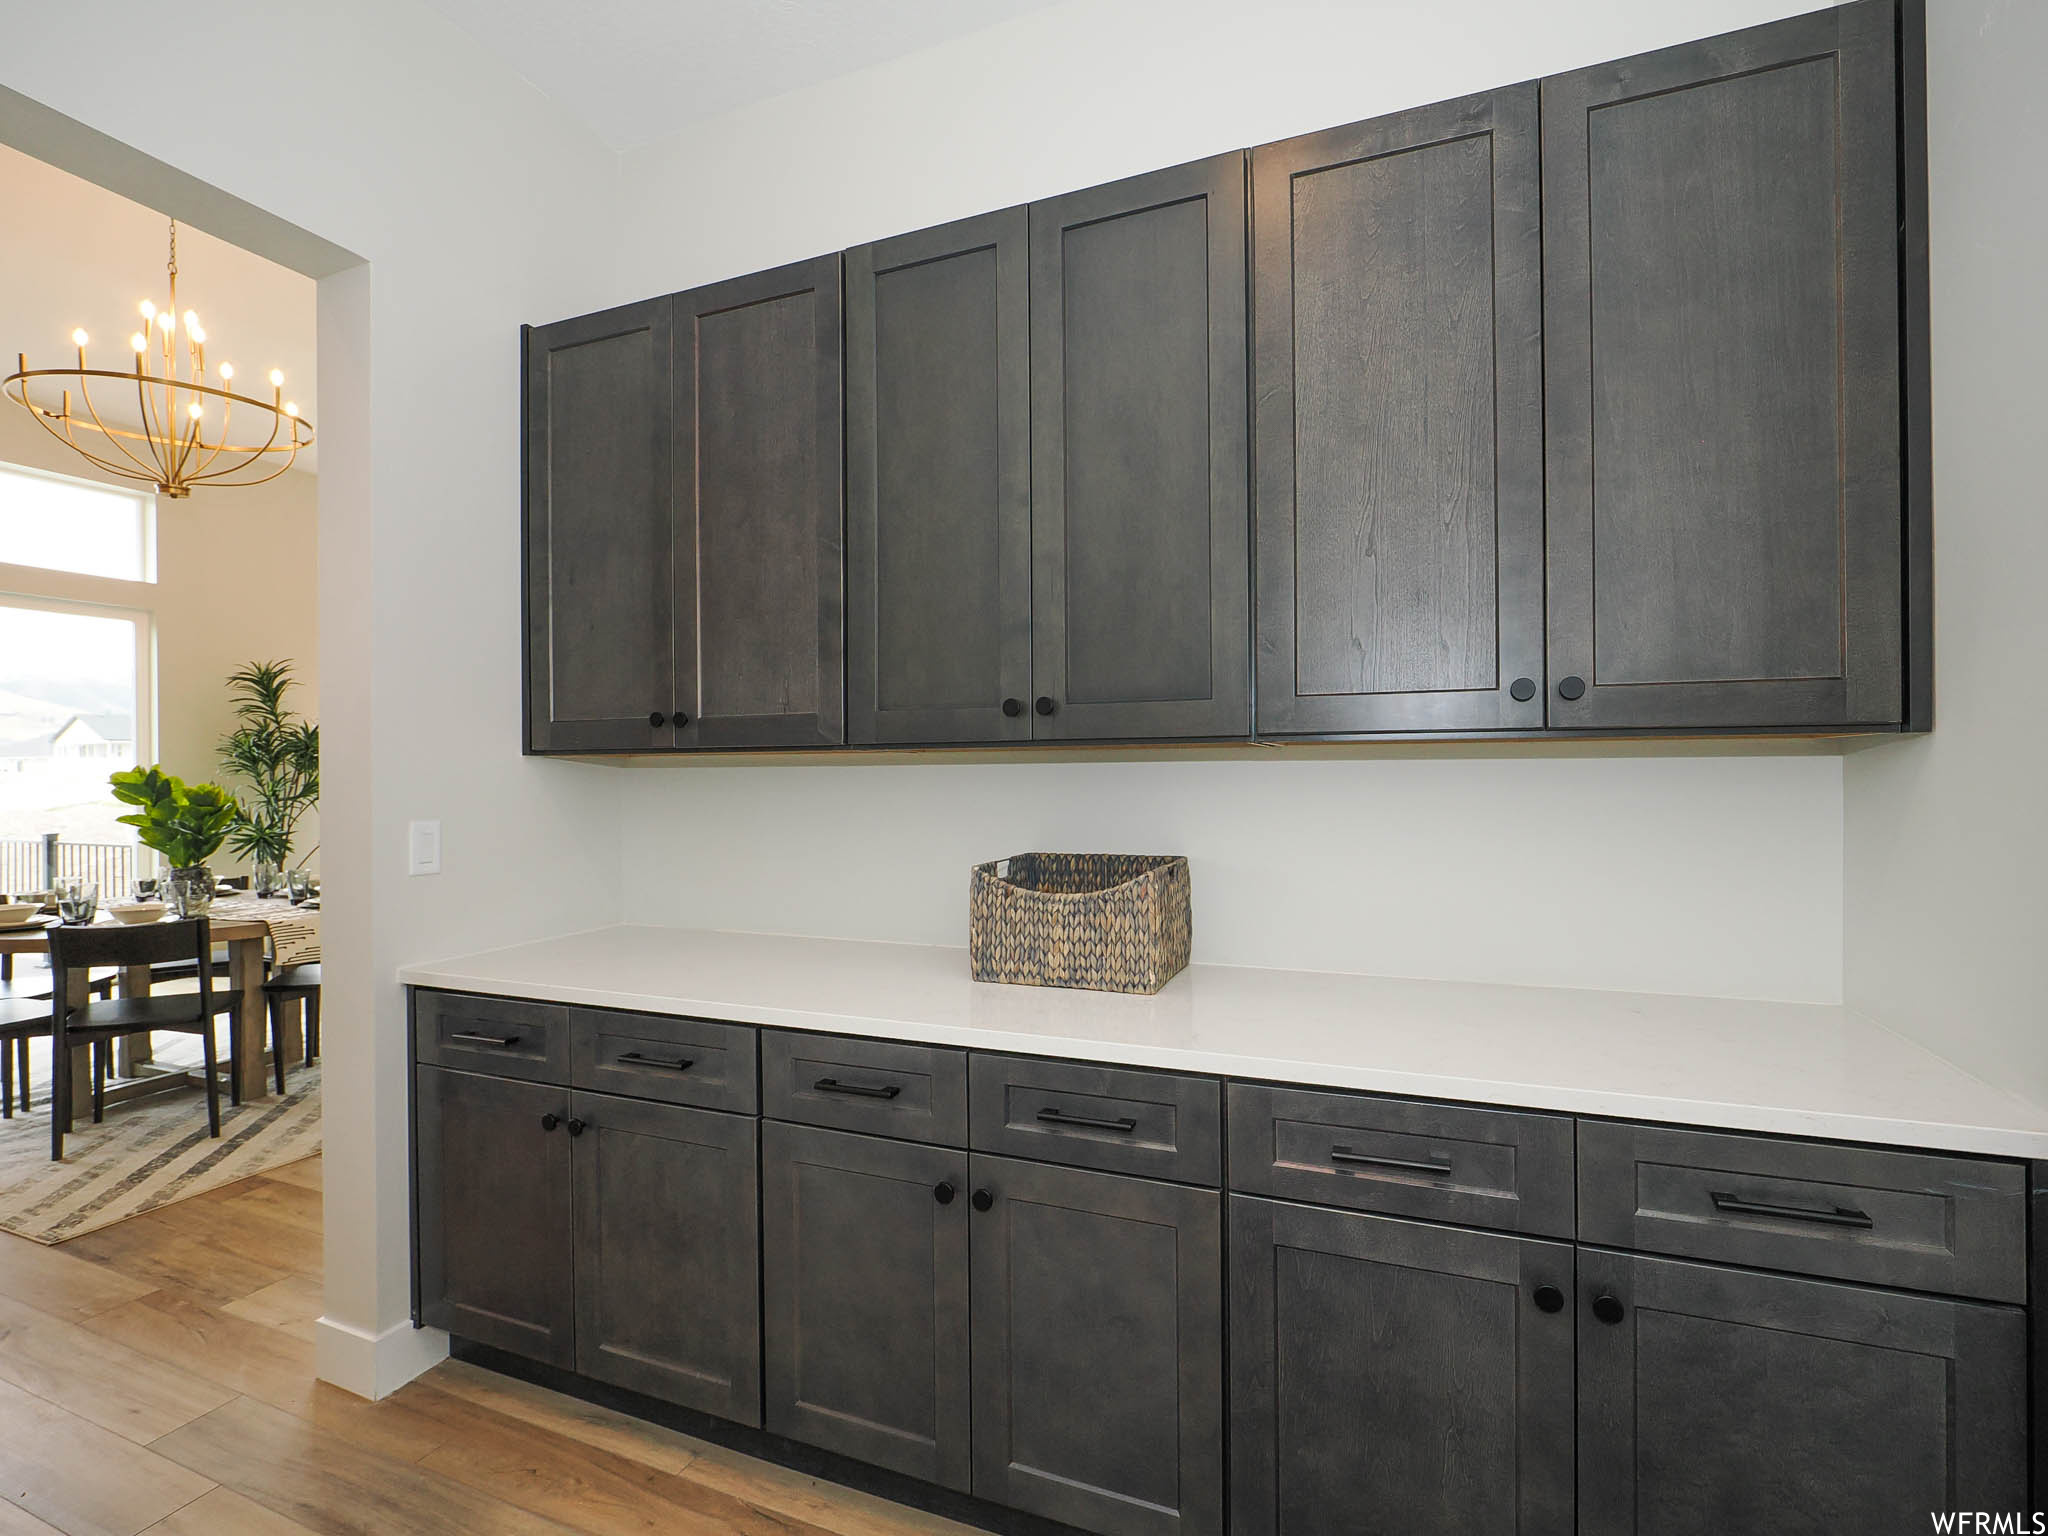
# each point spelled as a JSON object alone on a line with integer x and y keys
{"x": 1789, "y": 1068}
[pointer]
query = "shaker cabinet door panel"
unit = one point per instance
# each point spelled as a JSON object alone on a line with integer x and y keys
{"x": 668, "y": 1253}
{"x": 493, "y": 1188}
{"x": 1391, "y": 1375}
{"x": 1398, "y": 376}
{"x": 1139, "y": 457}
{"x": 938, "y": 404}
{"x": 600, "y": 532}
{"x": 1721, "y": 334}
{"x": 758, "y": 474}
{"x": 865, "y": 1260}
{"x": 1098, "y": 1349}
{"x": 1726, "y": 1400}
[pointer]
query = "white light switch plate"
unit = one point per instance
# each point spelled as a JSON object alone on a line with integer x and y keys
{"x": 423, "y": 845}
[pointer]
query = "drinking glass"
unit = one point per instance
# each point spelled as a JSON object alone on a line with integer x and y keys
{"x": 146, "y": 888}
{"x": 78, "y": 899}
{"x": 299, "y": 883}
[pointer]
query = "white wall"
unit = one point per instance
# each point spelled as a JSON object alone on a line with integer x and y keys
{"x": 381, "y": 129}
{"x": 1661, "y": 873}
{"x": 1947, "y": 840}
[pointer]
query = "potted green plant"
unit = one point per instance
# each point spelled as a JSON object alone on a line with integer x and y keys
{"x": 185, "y": 823}
{"x": 276, "y": 754}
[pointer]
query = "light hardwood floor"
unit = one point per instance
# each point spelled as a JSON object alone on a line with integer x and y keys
{"x": 157, "y": 1377}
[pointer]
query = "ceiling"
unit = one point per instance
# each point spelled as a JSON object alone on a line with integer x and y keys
{"x": 637, "y": 70}
{"x": 75, "y": 255}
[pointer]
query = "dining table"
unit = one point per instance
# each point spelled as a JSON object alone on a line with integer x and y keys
{"x": 251, "y": 928}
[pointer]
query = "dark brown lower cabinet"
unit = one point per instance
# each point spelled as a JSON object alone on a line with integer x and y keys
{"x": 865, "y": 1256}
{"x": 1098, "y": 1348}
{"x": 1391, "y": 1375}
{"x": 667, "y": 1224}
{"x": 495, "y": 1259}
{"x": 1721, "y": 1400}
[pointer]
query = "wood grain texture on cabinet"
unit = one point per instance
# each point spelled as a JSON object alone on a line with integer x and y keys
{"x": 938, "y": 484}
{"x": 1722, "y": 345}
{"x": 667, "y": 1244}
{"x": 1392, "y": 1375}
{"x": 1725, "y": 1400}
{"x": 1098, "y": 1349}
{"x": 1398, "y": 381}
{"x": 1140, "y": 453}
{"x": 758, "y": 474}
{"x": 599, "y": 532}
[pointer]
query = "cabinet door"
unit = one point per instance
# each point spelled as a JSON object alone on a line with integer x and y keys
{"x": 492, "y": 1177}
{"x": 600, "y": 532}
{"x": 1391, "y": 1375}
{"x": 1726, "y": 1400}
{"x": 760, "y": 658}
{"x": 1139, "y": 452}
{"x": 667, "y": 1253}
{"x": 938, "y": 485}
{"x": 1721, "y": 336}
{"x": 1398, "y": 377}
{"x": 865, "y": 1252}
{"x": 1098, "y": 1349}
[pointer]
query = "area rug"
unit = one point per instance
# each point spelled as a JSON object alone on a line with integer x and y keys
{"x": 145, "y": 1155}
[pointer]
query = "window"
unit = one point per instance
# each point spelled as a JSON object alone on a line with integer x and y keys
{"x": 59, "y": 524}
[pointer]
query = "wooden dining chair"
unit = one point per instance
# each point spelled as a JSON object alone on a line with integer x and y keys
{"x": 101, "y": 1023}
{"x": 294, "y": 983}
{"x": 29, "y": 989}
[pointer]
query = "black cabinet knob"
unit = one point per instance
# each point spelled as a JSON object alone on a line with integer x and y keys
{"x": 549, "y": 1121}
{"x": 1572, "y": 688}
{"x": 1608, "y": 1308}
{"x": 1522, "y": 689}
{"x": 1046, "y": 705}
{"x": 576, "y": 1127}
{"x": 657, "y": 719}
{"x": 1548, "y": 1298}
{"x": 680, "y": 720}
{"x": 1013, "y": 707}
{"x": 943, "y": 1192}
{"x": 983, "y": 1199}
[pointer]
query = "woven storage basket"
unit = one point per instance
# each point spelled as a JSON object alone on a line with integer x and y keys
{"x": 1114, "y": 922}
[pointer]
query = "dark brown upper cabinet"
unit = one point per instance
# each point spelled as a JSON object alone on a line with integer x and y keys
{"x": 1721, "y": 334}
{"x": 938, "y": 485}
{"x": 1398, "y": 374}
{"x": 760, "y": 656}
{"x": 1140, "y": 455}
{"x": 600, "y": 538}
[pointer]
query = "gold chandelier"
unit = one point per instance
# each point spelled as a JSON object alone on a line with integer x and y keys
{"x": 171, "y": 449}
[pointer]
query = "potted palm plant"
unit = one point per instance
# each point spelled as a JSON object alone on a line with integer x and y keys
{"x": 276, "y": 754}
{"x": 186, "y": 823}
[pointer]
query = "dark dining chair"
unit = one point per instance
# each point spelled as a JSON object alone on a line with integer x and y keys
{"x": 30, "y": 989}
{"x": 294, "y": 983}
{"x": 101, "y": 1023}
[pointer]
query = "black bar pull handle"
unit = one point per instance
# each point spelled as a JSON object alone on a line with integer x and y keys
{"x": 500, "y": 1041}
{"x": 1830, "y": 1216}
{"x": 680, "y": 1064}
{"x": 1436, "y": 1167}
{"x": 858, "y": 1090}
{"x": 1055, "y": 1116}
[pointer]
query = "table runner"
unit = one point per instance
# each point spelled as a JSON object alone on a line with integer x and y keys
{"x": 294, "y": 931}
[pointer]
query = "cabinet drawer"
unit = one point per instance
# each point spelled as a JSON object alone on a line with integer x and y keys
{"x": 1476, "y": 1167}
{"x": 1113, "y": 1118}
{"x": 1912, "y": 1219}
{"x": 910, "y": 1092}
{"x": 678, "y": 1061}
{"x": 498, "y": 1035}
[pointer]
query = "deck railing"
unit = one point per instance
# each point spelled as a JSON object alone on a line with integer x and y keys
{"x": 30, "y": 864}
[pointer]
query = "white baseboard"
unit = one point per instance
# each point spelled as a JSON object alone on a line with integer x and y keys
{"x": 374, "y": 1365}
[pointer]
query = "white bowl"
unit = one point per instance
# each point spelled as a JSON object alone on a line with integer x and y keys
{"x": 137, "y": 911}
{"x": 14, "y": 913}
